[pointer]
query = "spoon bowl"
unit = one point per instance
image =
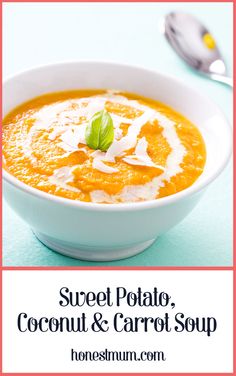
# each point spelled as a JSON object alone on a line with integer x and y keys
{"x": 195, "y": 45}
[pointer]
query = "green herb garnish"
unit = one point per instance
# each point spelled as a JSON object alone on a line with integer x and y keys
{"x": 99, "y": 132}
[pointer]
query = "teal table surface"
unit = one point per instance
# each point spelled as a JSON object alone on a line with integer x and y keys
{"x": 38, "y": 33}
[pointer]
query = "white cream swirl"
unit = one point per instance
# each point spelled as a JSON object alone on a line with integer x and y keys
{"x": 66, "y": 123}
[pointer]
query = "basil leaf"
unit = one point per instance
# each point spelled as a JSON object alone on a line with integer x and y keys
{"x": 92, "y": 131}
{"x": 99, "y": 132}
{"x": 106, "y": 132}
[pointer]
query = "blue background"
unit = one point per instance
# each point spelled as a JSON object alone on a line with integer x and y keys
{"x": 37, "y": 33}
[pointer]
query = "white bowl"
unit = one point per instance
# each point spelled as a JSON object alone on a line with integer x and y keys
{"x": 102, "y": 232}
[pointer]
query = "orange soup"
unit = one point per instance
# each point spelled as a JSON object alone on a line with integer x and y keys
{"x": 153, "y": 151}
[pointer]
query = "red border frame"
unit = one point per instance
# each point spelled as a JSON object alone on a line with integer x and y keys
{"x": 103, "y": 268}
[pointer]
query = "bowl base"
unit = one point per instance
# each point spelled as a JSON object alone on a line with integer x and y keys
{"x": 88, "y": 253}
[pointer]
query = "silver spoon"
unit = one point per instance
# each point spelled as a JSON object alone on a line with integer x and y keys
{"x": 193, "y": 43}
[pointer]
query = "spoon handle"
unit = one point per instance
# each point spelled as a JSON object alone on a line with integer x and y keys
{"x": 223, "y": 79}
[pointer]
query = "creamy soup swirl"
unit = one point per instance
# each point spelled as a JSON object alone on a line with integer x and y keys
{"x": 155, "y": 151}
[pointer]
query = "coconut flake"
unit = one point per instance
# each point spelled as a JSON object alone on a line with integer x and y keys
{"x": 72, "y": 137}
{"x": 100, "y": 196}
{"x": 62, "y": 176}
{"x": 141, "y": 157}
{"x": 99, "y": 165}
{"x": 118, "y": 120}
{"x": 95, "y": 105}
{"x": 118, "y": 147}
